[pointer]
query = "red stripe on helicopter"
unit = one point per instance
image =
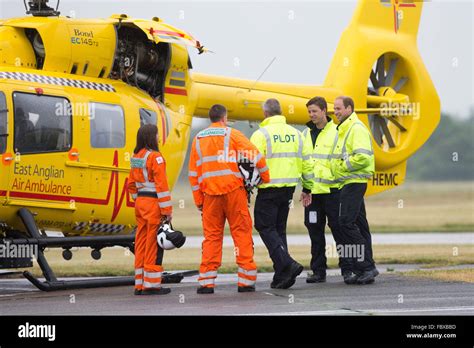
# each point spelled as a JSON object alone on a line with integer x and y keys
{"x": 178, "y": 91}
{"x": 163, "y": 131}
{"x": 171, "y": 33}
{"x": 396, "y": 21}
{"x": 113, "y": 184}
{"x": 163, "y": 126}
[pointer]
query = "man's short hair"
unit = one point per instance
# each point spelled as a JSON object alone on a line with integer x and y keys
{"x": 347, "y": 101}
{"x": 217, "y": 112}
{"x": 272, "y": 107}
{"x": 319, "y": 102}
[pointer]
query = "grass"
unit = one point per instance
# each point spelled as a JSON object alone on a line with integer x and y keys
{"x": 426, "y": 255}
{"x": 119, "y": 261}
{"x": 457, "y": 275}
{"x": 412, "y": 207}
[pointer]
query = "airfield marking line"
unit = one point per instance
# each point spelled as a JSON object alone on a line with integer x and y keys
{"x": 459, "y": 308}
{"x": 278, "y": 295}
{"x": 20, "y": 289}
{"x": 335, "y": 311}
{"x": 361, "y": 311}
{"x": 368, "y": 311}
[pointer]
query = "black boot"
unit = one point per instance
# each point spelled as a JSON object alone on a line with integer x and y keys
{"x": 276, "y": 280}
{"x": 350, "y": 278}
{"x": 368, "y": 277}
{"x": 294, "y": 270}
{"x": 160, "y": 291}
{"x": 246, "y": 289}
{"x": 316, "y": 278}
{"x": 205, "y": 290}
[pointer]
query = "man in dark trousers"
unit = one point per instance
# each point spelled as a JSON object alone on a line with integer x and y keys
{"x": 352, "y": 165}
{"x": 289, "y": 162}
{"x": 322, "y": 201}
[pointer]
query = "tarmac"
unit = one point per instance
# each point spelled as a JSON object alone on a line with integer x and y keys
{"x": 391, "y": 294}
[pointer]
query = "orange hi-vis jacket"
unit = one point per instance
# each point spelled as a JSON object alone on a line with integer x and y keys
{"x": 152, "y": 180}
{"x": 213, "y": 168}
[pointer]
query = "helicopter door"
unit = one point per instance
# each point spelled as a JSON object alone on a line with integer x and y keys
{"x": 105, "y": 158}
{"x": 5, "y": 151}
{"x": 42, "y": 126}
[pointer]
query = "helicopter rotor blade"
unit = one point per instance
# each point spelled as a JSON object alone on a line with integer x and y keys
{"x": 391, "y": 71}
{"x": 386, "y": 131}
{"x": 400, "y": 84}
{"x": 381, "y": 70}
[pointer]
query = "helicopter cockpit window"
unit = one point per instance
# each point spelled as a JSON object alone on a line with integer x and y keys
{"x": 107, "y": 126}
{"x": 147, "y": 117}
{"x": 3, "y": 123}
{"x": 42, "y": 123}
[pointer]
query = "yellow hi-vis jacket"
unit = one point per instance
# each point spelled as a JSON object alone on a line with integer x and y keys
{"x": 321, "y": 157}
{"x": 352, "y": 155}
{"x": 287, "y": 158}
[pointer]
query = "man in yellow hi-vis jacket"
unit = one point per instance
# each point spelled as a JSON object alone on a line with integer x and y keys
{"x": 289, "y": 162}
{"x": 321, "y": 202}
{"x": 352, "y": 165}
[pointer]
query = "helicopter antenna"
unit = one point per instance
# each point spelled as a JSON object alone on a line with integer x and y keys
{"x": 40, "y": 8}
{"x": 263, "y": 72}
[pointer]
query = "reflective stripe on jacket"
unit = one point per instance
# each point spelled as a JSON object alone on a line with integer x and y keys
{"x": 321, "y": 158}
{"x": 287, "y": 156}
{"x": 148, "y": 174}
{"x": 213, "y": 168}
{"x": 352, "y": 155}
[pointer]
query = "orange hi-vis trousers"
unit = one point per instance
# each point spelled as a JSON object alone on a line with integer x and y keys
{"x": 148, "y": 255}
{"x": 216, "y": 209}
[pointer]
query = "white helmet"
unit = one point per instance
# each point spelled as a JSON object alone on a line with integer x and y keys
{"x": 250, "y": 174}
{"x": 169, "y": 239}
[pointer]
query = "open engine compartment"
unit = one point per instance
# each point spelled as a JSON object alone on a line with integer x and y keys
{"x": 140, "y": 62}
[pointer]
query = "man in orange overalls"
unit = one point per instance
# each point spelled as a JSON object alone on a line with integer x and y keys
{"x": 219, "y": 193}
{"x": 147, "y": 184}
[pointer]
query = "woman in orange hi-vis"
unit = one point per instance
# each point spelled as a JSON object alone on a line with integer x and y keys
{"x": 219, "y": 192}
{"x": 148, "y": 185}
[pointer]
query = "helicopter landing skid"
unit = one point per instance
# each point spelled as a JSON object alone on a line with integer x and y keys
{"x": 54, "y": 285}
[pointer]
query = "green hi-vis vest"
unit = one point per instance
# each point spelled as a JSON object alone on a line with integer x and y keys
{"x": 287, "y": 158}
{"x": 352, "y": 156}
{"x": 321, "y": 158}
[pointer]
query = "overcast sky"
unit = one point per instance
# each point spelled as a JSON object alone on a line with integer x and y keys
{"x": 303, "y": 35}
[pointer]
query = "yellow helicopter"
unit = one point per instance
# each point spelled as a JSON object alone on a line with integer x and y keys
{"x": 73, "y": 93}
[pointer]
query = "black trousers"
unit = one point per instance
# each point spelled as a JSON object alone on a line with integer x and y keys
{"x": 272, "y": 206}
{"x": 324, "y": 208}
{"x": 354, "y": 228}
